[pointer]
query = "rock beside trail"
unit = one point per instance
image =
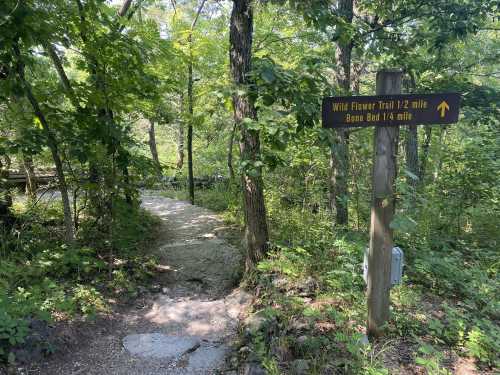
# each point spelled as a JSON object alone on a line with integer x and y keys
{"x": 208, "y": 357}
{"x": 254, "y": 368}
{"x": 299, "y": 367}
{"x": 255, "y": 323}
{"x": 259, "y": 322}
{"x": 157, "y": 345}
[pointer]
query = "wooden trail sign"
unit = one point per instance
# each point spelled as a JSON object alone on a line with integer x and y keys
{"x": 390, "y": 110}
{"x": 386, "y": 111}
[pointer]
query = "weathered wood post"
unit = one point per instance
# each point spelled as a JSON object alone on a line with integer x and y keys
{"x": 382, "y": 211}
{"x": 386, "y": 111}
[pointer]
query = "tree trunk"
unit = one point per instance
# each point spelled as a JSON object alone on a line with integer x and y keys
{"x": 180, "y": 141}
{"x": 152, "y": 144}
{"x": 8, "y": 161}
{"x": 339, "y": 150}
{"x": 425, "y": 154}
{"x": 439, "y": 155}
{"x": 357, "y": 72}
{"x": 104, "y": 112}
{"x": 190, "y": 125}
{"x": 412, "y": 160}
{"x": 128, "y": 185}
{"x": 124, "y": 8}
{"x": 52, "y": 144}
{"x": 256, "y": 233}
{"x": 190, "y": 105}
{"x": 180, "y": 147}
{"x": 230, "y": 153}
{"x": 5, "y": 198}
{"x": 31, "y": 183}
{"x": 56, "y": 61}
{"x": 339, "y": 166}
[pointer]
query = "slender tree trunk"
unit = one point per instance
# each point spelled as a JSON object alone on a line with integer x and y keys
{"x": 339, "y": 166}
{"x": 256, "y": 232}
{"x": 439, "y": 155}
{"x": 152, "y": 144}
{"x": 56, "y": 61}
{"x": 31, "y": 183}
{"x": 357, "y": 72}
{"x": 339, "y": 150}
{"x": 412, "y": 160}
{"x": 180, "y": 140}
{"x": 94, "y": 173}
{"x": 190, "y": 124}
{"x": 5, "y": 198}
{"x": 124, "y": 8}
{"x": 94, "y": 177}
{"x": 104, "y": 112}
{"x": 230, "y": 153}
{"x": 180, "y": 147}
{"x": 8, "y": 161}
{"x": 52, "y": 144}
{"x": 425, "y": 154}
{"x": 128, "y": 185}
{"x": 191, "y": 104}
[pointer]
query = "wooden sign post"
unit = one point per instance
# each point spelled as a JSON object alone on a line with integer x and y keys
{"x": 382, "y": 211}
{"x": 386, "y": 112}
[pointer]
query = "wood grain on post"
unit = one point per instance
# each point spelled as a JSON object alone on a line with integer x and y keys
{"x": 382, "y": 211}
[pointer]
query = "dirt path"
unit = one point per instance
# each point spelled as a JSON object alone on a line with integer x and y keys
{"x": 185, "y": 329}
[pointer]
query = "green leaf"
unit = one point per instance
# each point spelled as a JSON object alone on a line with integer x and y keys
{"x": 268, "y": 75}
{"x": 411, "y": 175}
{"x": 268, "y": 99}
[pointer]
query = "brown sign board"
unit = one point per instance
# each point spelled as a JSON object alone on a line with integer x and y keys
{"x": 390, "y": 110}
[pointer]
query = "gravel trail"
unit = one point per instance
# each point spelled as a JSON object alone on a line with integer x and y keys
{"x": 186, "y": 328}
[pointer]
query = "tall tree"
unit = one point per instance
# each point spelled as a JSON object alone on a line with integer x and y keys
{"x": 412, "y": 167}
{"x": 29, "y": 170}
{"x": 5, "y": 197}
{"x": 152, "y": 144}
{"x": 191, "y": 104}
{"x": 51, "y": 142}
{"x": 180, "y": 136}
{"x": 230, "y": 152}
{"x": 339, "y": 149}
{"x": 241, "y": 37}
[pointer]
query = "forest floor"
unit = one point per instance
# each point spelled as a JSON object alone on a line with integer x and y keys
{"x": 187, "y": 325}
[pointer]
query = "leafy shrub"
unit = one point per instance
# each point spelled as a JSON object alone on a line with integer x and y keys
{"x": 12, "y": 332}
{"x": 41, "y": 276}
{"x": 88, "y": 300}
{"x": 430, "y": 359}
{"x": 483, "y": 342}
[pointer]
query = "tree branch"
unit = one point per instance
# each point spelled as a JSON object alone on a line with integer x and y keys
{"x": 49, "y": 48}
{"x": 125, "y": 7}
{"x": 193, "y": 24}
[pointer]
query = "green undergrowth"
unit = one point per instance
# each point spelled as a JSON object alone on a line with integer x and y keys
{"x": 42, "y": 277}
{"x": 311, "y": 286}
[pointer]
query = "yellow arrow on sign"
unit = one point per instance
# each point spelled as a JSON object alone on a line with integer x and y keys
{"x": 443, "y": 107}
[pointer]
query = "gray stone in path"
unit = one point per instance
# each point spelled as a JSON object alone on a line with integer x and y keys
{"x": 157, "y": 345}
{"x": 200, "y": 355}
{"x": 208, "y": 357}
